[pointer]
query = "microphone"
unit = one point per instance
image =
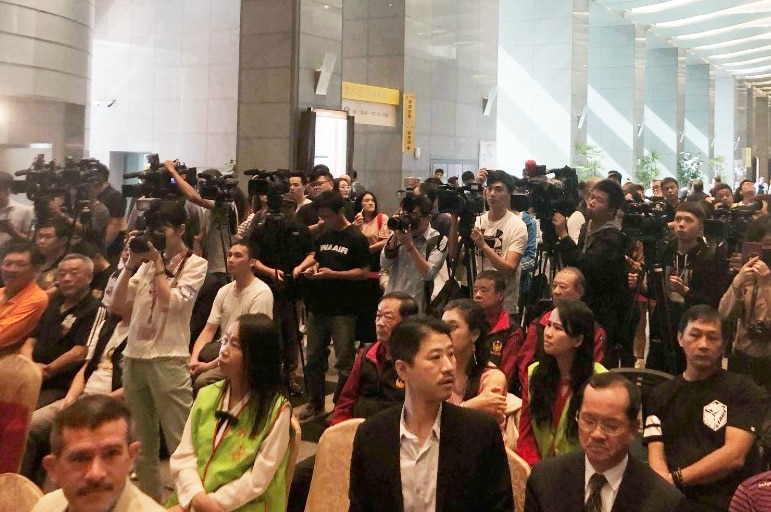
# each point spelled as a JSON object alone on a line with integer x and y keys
{"x": 130, "y": 175}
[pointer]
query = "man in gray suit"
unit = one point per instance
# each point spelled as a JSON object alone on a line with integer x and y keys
{"x": 602, "y": 476}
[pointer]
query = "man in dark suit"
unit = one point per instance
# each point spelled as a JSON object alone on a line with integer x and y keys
{"x": 602, "y": 476}
{"x": 428, "y": 455}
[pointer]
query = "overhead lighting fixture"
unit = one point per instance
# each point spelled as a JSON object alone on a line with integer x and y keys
{"x": 733, "y": 42}
{"x": 749, "y": 71}
{"x": 753, "y": 8}
{"x": 746, "y": 62}
{"x": 761, "y": 23}
{"x": 741, "y": 53}
{"x": 662, "y": 6}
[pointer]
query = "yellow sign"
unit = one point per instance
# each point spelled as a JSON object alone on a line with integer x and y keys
{"x": 408, "y": 124}
{"x": 361, "y": 92}
{"x": 747, "y": 155}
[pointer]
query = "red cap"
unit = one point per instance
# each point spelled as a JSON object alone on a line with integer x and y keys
{"x": 531, "y": 163}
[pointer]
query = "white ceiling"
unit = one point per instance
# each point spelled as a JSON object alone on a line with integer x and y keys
{"x": 733, "y": 35}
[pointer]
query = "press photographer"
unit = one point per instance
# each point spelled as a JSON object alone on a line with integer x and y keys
{"x": 694, "y": 273}
{"x": 748, "y": 302}
{"x": 217, "y": 195}
{"x": 156, "y": 290}
{"x": 282, "y": 246}
{"x": 600, "y": 255}
{"x": 415, "y": 252}
{"x": 499, "y": 237}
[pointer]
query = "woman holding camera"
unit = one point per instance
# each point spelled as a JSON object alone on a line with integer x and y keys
{"x": 548, "y": 424}
{"x": 747, "y": 302}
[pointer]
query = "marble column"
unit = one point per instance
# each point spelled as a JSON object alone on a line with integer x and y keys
{"x": 697, "y": 122}
{"x": 662, "y": 119}
{"x": 725, "y": 132}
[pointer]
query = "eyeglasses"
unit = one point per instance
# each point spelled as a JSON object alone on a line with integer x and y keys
{"x": 233, "y": 342}
{"x": 317, "y": 184}
{"x": 608, "y": 427}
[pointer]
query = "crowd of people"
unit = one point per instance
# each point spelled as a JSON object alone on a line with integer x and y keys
{"x": 457, "y": 336}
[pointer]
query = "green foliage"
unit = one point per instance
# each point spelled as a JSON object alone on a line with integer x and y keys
{"x": 689, "y": 167}
{"x": 590, "y": 161}
{"x": 647, "y": 168}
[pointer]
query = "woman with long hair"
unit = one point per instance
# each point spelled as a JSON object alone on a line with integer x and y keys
{"x": 548, "y": 423}
{"x": 235, "y": 445}
{"x": 374, "y": 226}
{"x": 478, "y": 383}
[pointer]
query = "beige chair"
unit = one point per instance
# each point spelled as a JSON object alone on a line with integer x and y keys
{"x": 519, "y": 471}
{"x": 332, "y": 471}
{"x": 294, "y": 449}
{"x": 20, "y": 380}
{"x": 511, "y": 427}
{"x": 17, "y": 494}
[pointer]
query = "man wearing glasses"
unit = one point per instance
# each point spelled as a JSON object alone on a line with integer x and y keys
{"x": 415, "y": 252}
{"x": 602, "y": 476}
{"x": 321, "y": 180}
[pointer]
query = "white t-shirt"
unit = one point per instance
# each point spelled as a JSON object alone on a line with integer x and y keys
{"x": 229, "y": 303}
{"x": 509, "y": 233}
{"x": 163, "y": 330}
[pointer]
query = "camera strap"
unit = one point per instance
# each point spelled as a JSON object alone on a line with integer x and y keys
{"x": 753, "y": 302}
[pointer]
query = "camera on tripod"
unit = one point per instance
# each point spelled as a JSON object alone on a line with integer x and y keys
{"x": 730, "y": 224}
{"x": 218, "y": 188}
{"x": 43, "y": 181}
{"x": 149, "y": 225}
{"x": 549, "y": 195}
{"x": 645, "y": 221}
{"x": 157, "y": 181}
{"x": 464, "y": 200}
{"x": 273, "y": 184}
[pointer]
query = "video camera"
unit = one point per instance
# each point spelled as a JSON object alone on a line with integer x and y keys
{"x": 730, "y": 224}
{"x": 220, "y": 189}
{"x": 44, "y": 181}
{"x": 547, "y": 196}
{"x": 645, "y": 221}
{"x": 464, "y": 200}
{"x": 157, "y": 182}
{"x": 273, "y": 184}
{"x": 149, "y": 226}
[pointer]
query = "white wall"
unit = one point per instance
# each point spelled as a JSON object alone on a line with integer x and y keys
{"x": 171, "y": 68}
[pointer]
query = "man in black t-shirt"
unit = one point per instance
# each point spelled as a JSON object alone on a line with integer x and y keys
{"x": 700, "y": 427}
{"x": 321, "y": 180}
{"x": 60, "y": 342}
{"x": 335, "y": 279}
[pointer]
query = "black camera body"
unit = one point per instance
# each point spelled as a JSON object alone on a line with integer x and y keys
{"x": 406, "y": 219}
{"x": 273, "y": 184}
{"x": 466, "y": 199}
{"x": 220, "y": 189}
{"x": 730, "y": 224}
{"x": 44, "y": 181}
{"x": 157, "y": 181}
{"x": 149, "y": 225}
{"x": 547, "y": 196}
{"x": 759, "y": 331}
{"x": 645, "y": 221}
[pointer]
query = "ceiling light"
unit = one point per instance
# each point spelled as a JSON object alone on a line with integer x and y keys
{"x": 733, "y": 42}
{"x": 762, "y": 23}
{"x": 753, "y": 8}
{"x": 662, "y": 6}
{"x": 741, "y": 53}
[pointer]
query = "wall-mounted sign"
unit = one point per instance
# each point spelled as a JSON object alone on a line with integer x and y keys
{"x": 375, "y": 114}
{"x": 370, "y": 93}
{"x": 408, "y": 123}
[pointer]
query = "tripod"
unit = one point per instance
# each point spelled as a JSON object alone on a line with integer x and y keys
{"x": 661, "y": 355}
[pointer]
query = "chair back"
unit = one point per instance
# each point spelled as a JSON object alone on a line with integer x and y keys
{"x": 20, "y": 381}
{"x": 294, "y": 449}
{"x": 645, "y": 379}
{"x": 519, "y": 471}
{"x": 18, "y": 493}
{"x": 332, "y": 470}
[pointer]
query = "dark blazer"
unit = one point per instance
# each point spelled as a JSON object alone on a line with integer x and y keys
{"x": 641, "y": 490}
{"x": 473, "y": 471}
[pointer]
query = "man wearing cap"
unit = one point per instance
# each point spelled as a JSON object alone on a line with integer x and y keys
{"x": 615, "y": 176}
